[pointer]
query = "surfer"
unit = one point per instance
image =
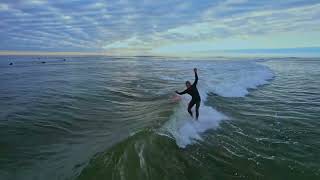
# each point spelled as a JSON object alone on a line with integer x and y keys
{"x": 193, "y": 92}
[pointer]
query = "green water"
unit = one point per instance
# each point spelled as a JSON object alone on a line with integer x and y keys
{"x": 104, "y": 118}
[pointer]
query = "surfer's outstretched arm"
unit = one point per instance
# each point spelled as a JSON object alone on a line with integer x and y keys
{"x": 181, "y": 93}
{"x": 196, "y": 76}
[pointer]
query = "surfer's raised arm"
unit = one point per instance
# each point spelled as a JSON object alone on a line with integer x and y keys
{"x": 196, "y": 76}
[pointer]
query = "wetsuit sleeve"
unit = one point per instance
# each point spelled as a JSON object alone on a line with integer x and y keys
{"x": 196, "y": 79}
{"x": 180, "y": 93}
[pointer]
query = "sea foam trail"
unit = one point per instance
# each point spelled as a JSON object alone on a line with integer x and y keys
{"x": 185, "y": 130}
{"x": 228, "y": 80}
{"x": 234, "y": 80}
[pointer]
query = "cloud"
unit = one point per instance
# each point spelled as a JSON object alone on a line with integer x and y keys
{"x": 36, "y": 2}
{"x": 4, "y": 7}
{"x": 149, "y": 25}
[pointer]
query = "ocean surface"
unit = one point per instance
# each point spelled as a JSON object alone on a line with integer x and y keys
{"x": 93, "y": 118}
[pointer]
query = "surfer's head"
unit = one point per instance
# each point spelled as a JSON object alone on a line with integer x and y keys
{"x": 188, "y": 84}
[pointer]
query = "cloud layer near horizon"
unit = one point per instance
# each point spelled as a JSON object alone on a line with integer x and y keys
{"x": 157, "y": 27}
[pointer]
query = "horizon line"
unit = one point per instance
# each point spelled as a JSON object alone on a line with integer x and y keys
{"x": 292, "y": 52}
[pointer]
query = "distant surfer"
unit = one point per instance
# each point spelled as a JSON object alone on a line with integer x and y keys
{"x": 193, "y": 92}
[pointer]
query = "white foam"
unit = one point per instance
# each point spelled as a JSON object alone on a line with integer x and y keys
{"x": 234, "y": 80}
{"x": 186, "y": 130}
{"x": 167, "y": 78}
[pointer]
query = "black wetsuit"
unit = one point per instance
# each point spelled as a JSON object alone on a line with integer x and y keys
{"x": 194, "y": 93}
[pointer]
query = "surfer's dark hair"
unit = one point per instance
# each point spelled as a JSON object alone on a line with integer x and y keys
{"x": 188, "y": 82}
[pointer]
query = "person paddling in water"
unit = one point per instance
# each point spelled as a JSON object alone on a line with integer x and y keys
{"x": 193, "y": 92}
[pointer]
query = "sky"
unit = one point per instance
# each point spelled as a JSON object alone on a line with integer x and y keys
{"x": 160, "y": 27}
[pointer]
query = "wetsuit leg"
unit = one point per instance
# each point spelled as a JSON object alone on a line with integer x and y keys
{"x": 197, "y": 108}
{"x": 191, "y": 104}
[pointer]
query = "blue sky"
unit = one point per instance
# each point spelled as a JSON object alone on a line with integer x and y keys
{"x": 159, "y": 27}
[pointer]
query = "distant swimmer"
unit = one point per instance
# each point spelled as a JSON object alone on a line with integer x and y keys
{"x": 193, "y": 92}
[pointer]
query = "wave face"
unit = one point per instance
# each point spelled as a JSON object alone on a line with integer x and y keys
{"x": 227, "y": 79}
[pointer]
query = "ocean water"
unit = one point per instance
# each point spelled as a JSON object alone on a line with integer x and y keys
{"x": 114, "y": 118}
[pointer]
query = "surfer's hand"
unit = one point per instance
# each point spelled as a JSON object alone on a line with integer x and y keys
{"x": 177, "y": 92}
{"x": 195, "y": 70}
